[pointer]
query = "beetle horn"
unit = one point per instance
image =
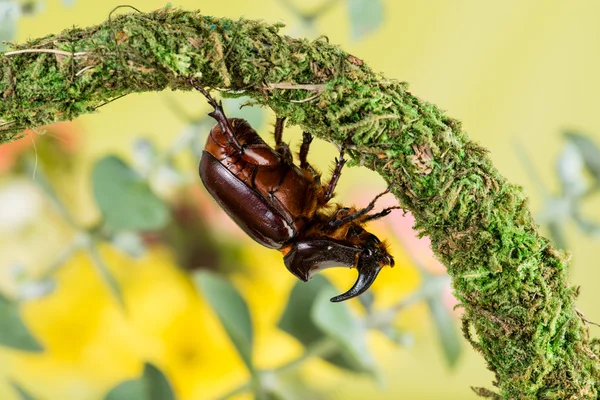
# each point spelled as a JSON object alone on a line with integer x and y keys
{"x": 366, "y": 277}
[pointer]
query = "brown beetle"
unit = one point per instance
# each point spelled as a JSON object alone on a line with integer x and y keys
{"x": 284, "y": 206}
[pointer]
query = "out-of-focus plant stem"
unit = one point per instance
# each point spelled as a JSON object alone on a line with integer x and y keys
{"x": 519, "y": 308}
{"x": 86, "y": 238}
{"x": 327, "y": 346}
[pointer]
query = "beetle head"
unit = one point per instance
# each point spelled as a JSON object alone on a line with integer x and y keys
{"x": 372, "y": 257}
{"x": 308, "y": 257}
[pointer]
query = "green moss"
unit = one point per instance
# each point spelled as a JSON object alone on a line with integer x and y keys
{"x": 519, "y": 309}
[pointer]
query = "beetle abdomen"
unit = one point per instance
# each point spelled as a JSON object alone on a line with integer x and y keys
{"x": 248, "y": 208}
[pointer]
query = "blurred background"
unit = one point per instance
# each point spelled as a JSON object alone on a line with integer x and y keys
{"x": 159, "y": 296}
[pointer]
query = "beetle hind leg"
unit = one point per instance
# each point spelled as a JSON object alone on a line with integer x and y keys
{"x": 304, "y": 148}
{"x": 209, "y": 98}
{"x": 280, "y": 146}
{"x": 303, "y": 157}
{"x": 335, "y": 177}
{"x": 219, "y": 115}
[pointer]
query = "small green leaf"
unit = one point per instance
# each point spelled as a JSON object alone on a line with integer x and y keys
{"x": 129, "y": 243}
{"x": 365, "y": 17}
{"x": 569, "y": 168}
{"x": 10, "y": 11}
{"x": 589, "y": 152}
{"x": 292, "y": 384}
{"x": 298, "y": 322}
{"x": 152, "y": 385}
{"x": 348, "y": 331}
{"x": 296, "y": 318}
{"x": 446, "y": 329}
{"x": 23, "y": 394}
{"x": 125, "y": 200}
{"x": 232, "y": 310}
{"x": 13, "y": 332}
{"x": 557, "y": 234}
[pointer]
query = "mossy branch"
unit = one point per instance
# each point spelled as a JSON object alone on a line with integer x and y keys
{"x": 519, "y": 309}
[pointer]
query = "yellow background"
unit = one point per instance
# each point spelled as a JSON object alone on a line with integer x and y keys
{"x": 510, "y": 71}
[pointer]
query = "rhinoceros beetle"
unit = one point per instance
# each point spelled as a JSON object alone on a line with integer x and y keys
{"x": 285, "y": 206}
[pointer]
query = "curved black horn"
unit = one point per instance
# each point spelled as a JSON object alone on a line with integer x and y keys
{"x": 366, "y": 277}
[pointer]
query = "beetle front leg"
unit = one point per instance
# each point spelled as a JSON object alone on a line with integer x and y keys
{"x": 351, "y": 217}
{"x": 337, "y": 172}
{"x": 381, "y": 213}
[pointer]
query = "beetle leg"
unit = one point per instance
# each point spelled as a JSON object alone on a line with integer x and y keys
{"x": 279, "y": 123}
{"x": 351, "y": 217}
{"x": 219, "y": 115}
{"x": 337, "y": 172}
{"x": 382, "y": 213}
{"x": 303, "y": 154}
{"x": 306, "y": 140}
{"x": 282, "y": 148}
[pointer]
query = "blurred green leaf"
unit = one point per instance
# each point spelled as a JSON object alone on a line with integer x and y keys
{"x": 590, "y": 228}
{"x": 10, "y": 11}
{"x": 13, "y": 332}
{"x": 589, "y": 152}
{"x": 569, "y": 168}
{"x": 232, "y": 311}
{"x": 297, "y": 320}
{"x": 557, "y": 234}
{"x": 294, "y": 385}
{"x": 129, "y": 243}
{"x": 367, "y": 300}
{"x": 336, "y": 320}
{"x": 400, "y": 337}
{"x": 365, "y": 17}
{"x": 23, "y": 394}
{"x": 125, "y": 200}
{"x": 254, "y": 114}
{"x": 152, "y": 385}
{"x": 446, "y": 328}
{"x": 144, "y": 156}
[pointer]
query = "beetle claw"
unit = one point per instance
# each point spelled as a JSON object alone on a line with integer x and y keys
{"x": 366, "y": 277}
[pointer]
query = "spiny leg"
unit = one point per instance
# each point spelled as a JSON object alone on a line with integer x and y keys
{"x": 382, "y": 213}
{"x": 351, "y": 217}
{"x": 303, "y": 154}
{"x": 306, "y": 141}
{"x": 219, "y": 115}
{"x": 282, "y": 148}
{"x": 337, "y": 172}
{"x": 279, "y": 123}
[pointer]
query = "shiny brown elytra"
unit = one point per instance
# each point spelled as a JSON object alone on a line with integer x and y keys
{"x": 284, "y": 206}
